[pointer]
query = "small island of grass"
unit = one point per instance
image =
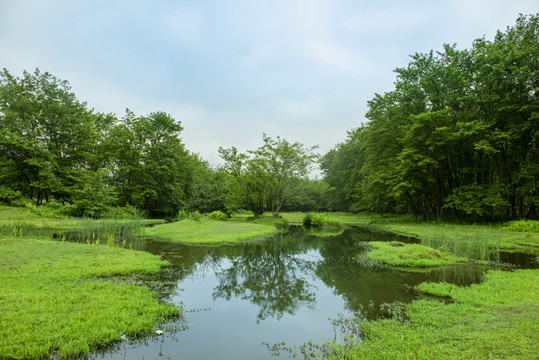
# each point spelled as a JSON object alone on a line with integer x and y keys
{"x": 209, "y": 231}
{"x": 409, "y": 255}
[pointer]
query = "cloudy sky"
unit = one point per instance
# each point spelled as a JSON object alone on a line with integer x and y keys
{"x": 233, "y": 70}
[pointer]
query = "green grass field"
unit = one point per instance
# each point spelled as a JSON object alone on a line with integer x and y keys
{"x": 55, "y": 297}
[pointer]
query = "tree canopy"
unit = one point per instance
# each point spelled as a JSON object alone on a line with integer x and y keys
{"x": 270, "y": 176}
{"x": 459, "y": 134}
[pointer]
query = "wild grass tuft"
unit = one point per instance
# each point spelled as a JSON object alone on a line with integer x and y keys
{"x": 217, "y": 215}
{"x": 470, "y": 246}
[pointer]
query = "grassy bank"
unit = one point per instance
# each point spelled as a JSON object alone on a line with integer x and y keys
{"x": 496, "y": 319}
{"x": 410, "y": 255}
{"x": 508, "y": 240}
{"x": 55, "y": 299}
{"x": 440, "y": 234}
{"x": 209, "y": 231}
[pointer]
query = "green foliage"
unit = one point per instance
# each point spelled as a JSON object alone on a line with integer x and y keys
{"x": 9, "y": 196}
{"x": 196, "y": 216}
{"x": 270, "y": 176}
{"x": 53, "y": 295}
{"x": 522, "y": 226}
{"x": 52, "y": 148}
{"x": 457, "y": 136}
{"x": 313, "y": 219}
{"x": 182, "y": 214}
{"x": 217, "y": 215}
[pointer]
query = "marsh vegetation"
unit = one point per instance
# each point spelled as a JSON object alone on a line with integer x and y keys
{"x": 421, "y": 239}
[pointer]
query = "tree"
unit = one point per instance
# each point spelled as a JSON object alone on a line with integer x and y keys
{"x": 460, "y": 131}
{"x": 46, "y": 136}
{"x": 271, "y": 175}
{"x": 151, "y": 167}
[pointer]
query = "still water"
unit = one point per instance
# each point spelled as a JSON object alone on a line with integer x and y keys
{"x": 286, "y": 288}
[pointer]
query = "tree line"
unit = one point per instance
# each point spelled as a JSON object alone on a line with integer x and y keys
{"x": 458, "y": 136}
{"x": 55, "y": 150}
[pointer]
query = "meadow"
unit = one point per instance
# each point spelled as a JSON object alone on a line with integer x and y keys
{"x": 65, "y": 299}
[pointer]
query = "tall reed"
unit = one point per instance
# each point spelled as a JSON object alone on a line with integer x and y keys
{"x": 105, "y": 231}
{"x": 471, "y": 246}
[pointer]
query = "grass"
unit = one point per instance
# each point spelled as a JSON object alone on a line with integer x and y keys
{"x": 496, "y": 319}
{"x": 409, "y": 255}
{"x": 497, "y": 236}
{"x": 55, "y": 297}
{"x": 17, "y": 221}
{"x": 209, "y": 231}
{"x": 505, "y": 239}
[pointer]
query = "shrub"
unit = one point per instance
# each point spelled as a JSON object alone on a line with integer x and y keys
{"x": 217, "y": 215}
{"x": 522, "y": 226}
{"x": 195, "y": 216}
{"x": 182, "y": 214}
{"x": 320, "y": 219}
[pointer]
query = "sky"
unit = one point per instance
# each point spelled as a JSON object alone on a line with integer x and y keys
{"x": 233, "y": 70}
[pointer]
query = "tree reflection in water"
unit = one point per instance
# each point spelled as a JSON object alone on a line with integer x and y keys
{"x": 271, "y": 275}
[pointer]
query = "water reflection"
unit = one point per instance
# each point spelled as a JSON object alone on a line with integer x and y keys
{"x": 281, "y": 275}
{"x": 269, "y": 275}
{"x": 284, "y": 288}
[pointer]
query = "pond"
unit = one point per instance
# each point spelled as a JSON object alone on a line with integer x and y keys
{"x": 285, "y": 289}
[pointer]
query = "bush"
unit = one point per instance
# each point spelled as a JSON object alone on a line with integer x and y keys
{"x": 48, "y": 210}
{"x": 522, "y": 226}
{"x": 217, "y": 215}
{"x": 182, "y": 214}
{"x": 320, "y": 219}
{"x": 9, "y": 196}
{"x": 195, "y": 216}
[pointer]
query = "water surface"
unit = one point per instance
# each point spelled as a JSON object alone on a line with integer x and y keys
{"x": 287, "y": 288}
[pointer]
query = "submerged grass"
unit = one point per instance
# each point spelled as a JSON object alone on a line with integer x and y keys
{"x": 209, "y": 232}
{"x": 55, "y": 298}
{"x": 496, "y": 319}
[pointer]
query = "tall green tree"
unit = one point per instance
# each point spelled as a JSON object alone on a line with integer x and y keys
{"x": 270, "y": 176}
{"x": 46, "y": 136}
{"x": 151, "y": 167}
{"x": 459, "y": 134}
